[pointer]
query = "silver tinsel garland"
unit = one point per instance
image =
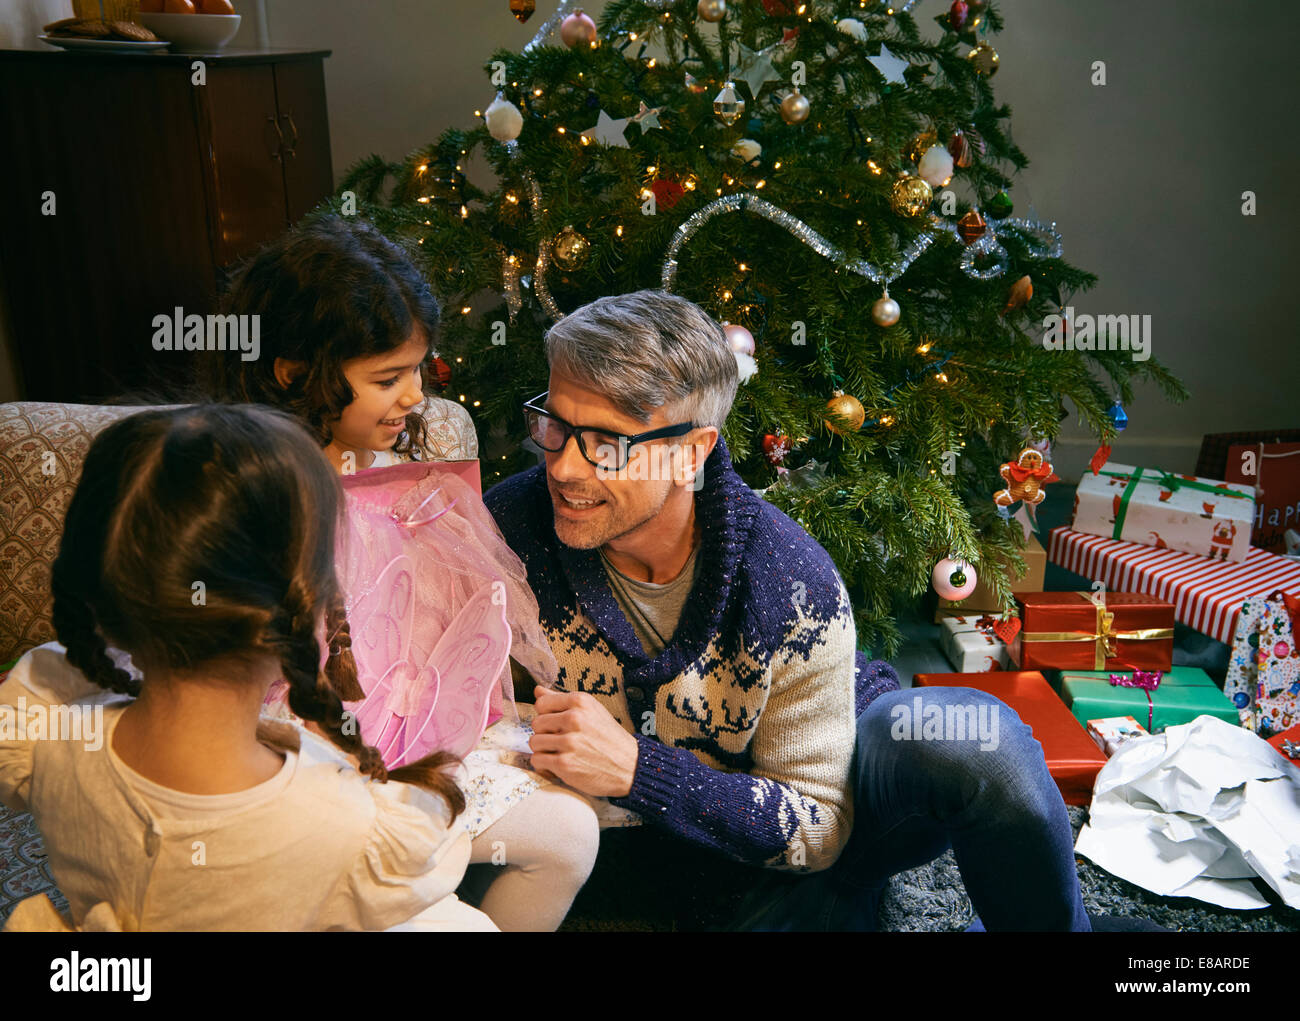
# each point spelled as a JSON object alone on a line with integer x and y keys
{"x": 751, "y": 203}
{"x": 540, "y": 287}
{"x": 548, "y": 26}
{"x": 1050, "y": 248}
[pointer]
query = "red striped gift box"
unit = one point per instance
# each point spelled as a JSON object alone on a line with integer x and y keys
{"x": 1207, "y": 594}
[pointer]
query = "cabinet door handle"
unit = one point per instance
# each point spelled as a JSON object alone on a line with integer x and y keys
{"x": 279, "y": 136}
{"x": 293, "y": 144}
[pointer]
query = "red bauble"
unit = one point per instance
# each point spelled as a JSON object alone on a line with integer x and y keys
{"x": 667, "y": 193}
{"x": 776, "y": 8}
{"x": 441, "y": 371}
{"x": 776, "y": 448}
{"x": 957, "y": 15}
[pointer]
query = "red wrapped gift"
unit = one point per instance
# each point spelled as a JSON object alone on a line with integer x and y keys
{"x": 1068, "y": 631}
{"x": 1072, "y": 757}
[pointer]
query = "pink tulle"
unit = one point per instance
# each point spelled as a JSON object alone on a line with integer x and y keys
{"x": 436, "y": 601}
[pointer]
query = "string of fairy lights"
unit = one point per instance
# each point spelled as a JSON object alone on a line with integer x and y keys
{"x": 981, "y": 258}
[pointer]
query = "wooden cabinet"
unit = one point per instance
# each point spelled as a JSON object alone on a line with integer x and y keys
{"x": 129, "y": 190}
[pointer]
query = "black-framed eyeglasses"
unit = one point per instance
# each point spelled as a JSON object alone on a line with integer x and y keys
{"x": 602, "y": 448}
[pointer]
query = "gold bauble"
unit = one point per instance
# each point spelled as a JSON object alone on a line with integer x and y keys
{"x": 848, "y": 413}
{"x": 911, "y": 196}
{"x": 917, "y": 146}
{"x": 795, "y": 108}
{"x": 984, "y": 58}
{"x": 712, "y": 10}
{"x": 570, "y": 250}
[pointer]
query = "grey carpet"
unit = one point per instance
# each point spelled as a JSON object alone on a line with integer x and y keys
{"x": 932, "y": 899}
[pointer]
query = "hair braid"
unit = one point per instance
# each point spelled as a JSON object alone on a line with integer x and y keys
{"x": 341, "y": 667}
{"x": 74, "y": 624}
{"x": 314, "y": 696}
{"x": 311, "y": 693}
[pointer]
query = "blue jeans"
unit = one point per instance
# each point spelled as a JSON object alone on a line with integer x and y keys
{"x": 957, "y": 769}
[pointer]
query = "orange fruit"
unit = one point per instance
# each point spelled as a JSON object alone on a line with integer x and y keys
{"x": 151, "y": 6}
{"x": 216, "y": 7}
{"x": 178, "y": 7}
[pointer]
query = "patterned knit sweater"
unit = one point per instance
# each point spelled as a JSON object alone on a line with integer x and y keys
{"x": 745, "y": 721}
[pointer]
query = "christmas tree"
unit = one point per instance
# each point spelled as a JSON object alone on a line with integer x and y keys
{"x": 829, "y": 177}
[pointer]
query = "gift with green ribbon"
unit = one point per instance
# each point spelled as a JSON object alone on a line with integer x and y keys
{"x": 1159, "y": 508}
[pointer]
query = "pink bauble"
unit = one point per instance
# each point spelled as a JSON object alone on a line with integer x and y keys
{"x": 739, "y": 339}
{"x": 953, "y": 579}
{"x": 577, "y": 30}
{"x": 1281, "y": 650}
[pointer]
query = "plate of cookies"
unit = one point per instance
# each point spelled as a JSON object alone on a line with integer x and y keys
{"x": 98, "y": 34}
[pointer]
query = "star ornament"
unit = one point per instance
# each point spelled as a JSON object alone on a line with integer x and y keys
{"x": 608, "y": 131}
{"x": 648, "y": 117}
{"x": 888, "y": 65}
{"x": 755, "y": 68}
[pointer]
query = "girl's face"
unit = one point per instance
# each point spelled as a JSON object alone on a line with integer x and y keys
{"x": 385, "y": 388}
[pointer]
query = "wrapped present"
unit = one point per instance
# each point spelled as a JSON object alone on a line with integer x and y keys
{"x": 1110, "y": 733}
{"x": 1156, "y": 698}
{"x": 1264, "y": 671}
{"x": 970, "y": 644}
{"x": 982, "y": 599}
{"x": 1072, "y": 759}
{"x": 1207, "y": 595}
{"x": 1158, "y": 508}
{"x": 1069, "y": 631}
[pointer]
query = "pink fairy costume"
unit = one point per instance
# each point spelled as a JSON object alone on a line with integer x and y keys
{"x": 436, "y": 601}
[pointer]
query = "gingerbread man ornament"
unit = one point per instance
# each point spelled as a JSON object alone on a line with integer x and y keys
{"x": 1025, "y": 479}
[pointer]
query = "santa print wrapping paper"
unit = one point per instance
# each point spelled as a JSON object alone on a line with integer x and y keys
{"x": 1068, "y": 630}
{"x": 970, "y": 644}
{"x": 1155, "y": 508}
{"x": 1206, "y": 593}
{"x": 1264, "y": 672}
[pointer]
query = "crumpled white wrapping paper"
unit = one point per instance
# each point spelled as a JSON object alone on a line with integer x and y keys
{"x": 1198, "y": 811}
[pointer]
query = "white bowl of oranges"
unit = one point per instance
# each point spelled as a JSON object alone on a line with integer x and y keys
{"x": 190, "y": 26}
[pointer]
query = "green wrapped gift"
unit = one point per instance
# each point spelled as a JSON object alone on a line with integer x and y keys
{"x": 1181, "y": 695}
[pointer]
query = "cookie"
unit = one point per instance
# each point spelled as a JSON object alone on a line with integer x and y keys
{"x": 88, "y": 29}
{"x": 62, "y": 23}
{"x": 131, "y": 31}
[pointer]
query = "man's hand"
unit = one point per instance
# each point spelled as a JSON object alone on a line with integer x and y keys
{"x": 575, "y": 739}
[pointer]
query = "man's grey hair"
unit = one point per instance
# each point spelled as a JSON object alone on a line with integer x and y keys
{"x": 647, "y": 350}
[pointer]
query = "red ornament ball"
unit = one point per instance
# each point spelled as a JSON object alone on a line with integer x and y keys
{"x": 667, "y": 193}
{"x": 957, "y": 14}
{"x": 776, "y": 448}
{"x": 775, "y": 8}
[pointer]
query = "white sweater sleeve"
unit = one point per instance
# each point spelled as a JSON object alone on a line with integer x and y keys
{"x": 42, "y": 678}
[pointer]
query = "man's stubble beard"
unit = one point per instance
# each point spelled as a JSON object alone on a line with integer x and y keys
{"x": 579, "y": 535}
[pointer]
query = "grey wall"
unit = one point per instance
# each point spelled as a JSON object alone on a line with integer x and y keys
{"x": 1143, "y": 176}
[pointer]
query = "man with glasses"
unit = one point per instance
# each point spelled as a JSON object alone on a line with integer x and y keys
{"x": 709, "y": 678}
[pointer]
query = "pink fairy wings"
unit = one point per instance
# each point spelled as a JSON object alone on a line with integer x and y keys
{"x": 433, "y": 595}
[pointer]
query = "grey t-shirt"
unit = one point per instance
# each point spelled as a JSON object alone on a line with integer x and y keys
{"x": 649, "y": 607}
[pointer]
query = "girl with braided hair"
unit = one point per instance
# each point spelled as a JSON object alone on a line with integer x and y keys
{"x": 348, "y": 325}
{"x": 196, "y": 569}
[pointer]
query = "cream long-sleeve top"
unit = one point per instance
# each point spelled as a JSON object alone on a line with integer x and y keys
{"x": 319, "y": 846}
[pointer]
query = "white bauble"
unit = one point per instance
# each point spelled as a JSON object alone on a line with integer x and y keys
{"x": 503, "y": 119}
{"x": 935, "y": 168}
{"x": 746, "y": 150}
